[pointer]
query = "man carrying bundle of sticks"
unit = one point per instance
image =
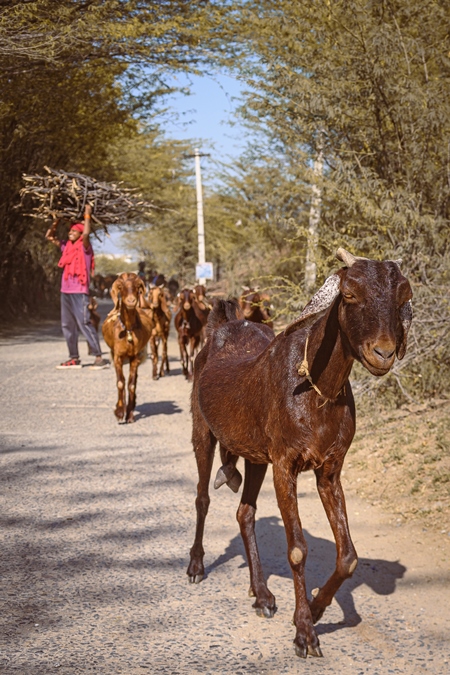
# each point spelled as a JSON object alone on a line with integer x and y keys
{"x": 77, "y": 263}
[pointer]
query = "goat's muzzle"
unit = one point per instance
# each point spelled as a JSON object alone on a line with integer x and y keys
{"x": 378, "y": 357}
{"x": 130, "y": 301}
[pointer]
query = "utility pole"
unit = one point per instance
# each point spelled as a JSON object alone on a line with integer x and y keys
{"x": 200, "y": 222}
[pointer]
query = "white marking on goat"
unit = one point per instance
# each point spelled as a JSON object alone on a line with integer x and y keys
{"x": 120, "y": 384}
{"x": 352, "y": 567}
{"x": 315, "y": 592}
{"x": 296, "y": 556}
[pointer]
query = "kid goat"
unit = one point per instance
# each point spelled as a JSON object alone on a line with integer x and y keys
{"x": 286, "y": 400}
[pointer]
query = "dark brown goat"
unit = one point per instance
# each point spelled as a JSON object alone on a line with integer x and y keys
{"x": 161, "y": 316}
{"x": 287, "y": 401}
{"x": 126, "y": 331}
{"x": 255, "y": 307}
{"x": 189, "y": 324}
{"x": 204, "y": 310}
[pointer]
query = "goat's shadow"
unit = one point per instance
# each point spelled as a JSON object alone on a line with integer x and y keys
{"x": 380, "y": 575}
{"x": 157, "y": 408}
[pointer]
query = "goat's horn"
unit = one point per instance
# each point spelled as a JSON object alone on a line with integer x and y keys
{"x": 347, "y": 258}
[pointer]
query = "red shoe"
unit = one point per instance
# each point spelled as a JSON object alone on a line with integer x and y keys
{"x": 71, "y": 364}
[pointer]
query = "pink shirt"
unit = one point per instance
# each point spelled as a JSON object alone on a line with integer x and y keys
{"x": 72, "y": 283}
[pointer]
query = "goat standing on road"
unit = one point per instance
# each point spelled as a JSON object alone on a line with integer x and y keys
{"x": 189, "y": 325}
{"x": 161, "y": 316}
{"x": 126, "y": 331}
{"x": 286, "y": 400}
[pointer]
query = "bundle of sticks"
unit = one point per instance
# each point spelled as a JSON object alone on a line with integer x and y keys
{"x": 64, "y": 195}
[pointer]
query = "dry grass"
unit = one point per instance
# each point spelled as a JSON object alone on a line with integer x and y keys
{"x": 400, "y": 460}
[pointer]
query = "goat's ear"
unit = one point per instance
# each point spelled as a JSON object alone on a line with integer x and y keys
{"x": 141, "y": 300}
{"x": 115, "y": 294}
{"x": 318, "y": 304}
{"x": 164, "y": 305}
{"x": 404, "y": 322}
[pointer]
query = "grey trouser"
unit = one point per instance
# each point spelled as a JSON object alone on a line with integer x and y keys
{"x": 75, "y": 316}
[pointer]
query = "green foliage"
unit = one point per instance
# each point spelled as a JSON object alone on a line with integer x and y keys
{"x": 367, "y": 84}
{"x": 75, "y": 78}
{"x": 109, "y": 264}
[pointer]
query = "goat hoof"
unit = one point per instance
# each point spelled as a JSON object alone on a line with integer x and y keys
{"x": 196, "y": 578}
{"x": 315, "y": 651}
{"x": 265, "y": 612}
{"x": 302, "y": 652}
{"x": 235, "y": 481}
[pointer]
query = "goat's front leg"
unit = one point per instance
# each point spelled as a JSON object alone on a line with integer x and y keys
{"x": 154, "y": 352}
{"x": 254, "y": 476}
{"x": 183, "y": 355}
{"x": 333, "y": 500}
{"x": 132, "y": 382}
{"x": 120, "y": 406}
{"x": 285, "y": 482}
{"x": 193, "y": 346}
{"x": 204, "y": 443}
{"x": 164, "y": 358}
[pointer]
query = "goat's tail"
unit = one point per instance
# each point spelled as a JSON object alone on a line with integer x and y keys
{"x": 222, "y": 312}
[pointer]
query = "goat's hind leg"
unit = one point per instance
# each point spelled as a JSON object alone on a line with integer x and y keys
{"x": 333, "y": 500}
{"x": 254, "y": 477}
{"x": 204, "y": 443}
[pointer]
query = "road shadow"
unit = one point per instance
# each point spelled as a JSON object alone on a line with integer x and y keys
{"x": 157, "y": 408}
{"x": 379, "y": 575}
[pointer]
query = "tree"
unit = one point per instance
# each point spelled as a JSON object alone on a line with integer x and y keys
{"x": 367, "y": 83}
{"x": 75, "y": 76}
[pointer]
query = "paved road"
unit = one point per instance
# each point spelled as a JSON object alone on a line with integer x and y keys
{"x": 96, "y": 524}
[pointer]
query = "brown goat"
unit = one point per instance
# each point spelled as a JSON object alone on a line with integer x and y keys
{"x": 189, "y": 324}
{"x": 204, "y": 309}
{"x": 161, "y": 316}
{"x": 126, "y": 331}
{"x": 287, "y": 401}
{"x": 254, "y": 306}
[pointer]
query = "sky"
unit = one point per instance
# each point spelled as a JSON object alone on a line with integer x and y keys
{"x": 204, "y": 117}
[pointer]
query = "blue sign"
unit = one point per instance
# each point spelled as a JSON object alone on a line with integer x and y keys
{"x": 204, "y": 271}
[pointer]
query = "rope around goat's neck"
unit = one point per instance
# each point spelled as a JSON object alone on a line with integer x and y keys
{"x": 303, "y": 371}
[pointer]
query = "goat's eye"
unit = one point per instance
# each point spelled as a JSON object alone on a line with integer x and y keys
{"x": 348, "y": 297}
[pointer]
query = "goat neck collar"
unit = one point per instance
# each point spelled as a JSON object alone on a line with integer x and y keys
{"x": 303, "y": 371}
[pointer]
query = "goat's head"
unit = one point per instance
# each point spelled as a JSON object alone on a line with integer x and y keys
{"x": 200, "y": 292}
{"x": 155, "y": 296}
{"x": 128, "y": 289}
{"x": 374, "y": 309}
{"x": 249, "y": 300}
{"x": 186, "y": 298}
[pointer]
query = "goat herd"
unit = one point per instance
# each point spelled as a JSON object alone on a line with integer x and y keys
{"x": 284, "y": 400}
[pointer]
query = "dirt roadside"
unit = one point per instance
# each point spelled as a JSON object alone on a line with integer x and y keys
{"x": 97, "y": 520}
